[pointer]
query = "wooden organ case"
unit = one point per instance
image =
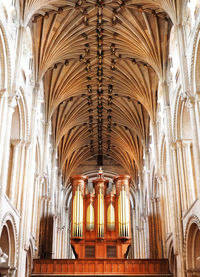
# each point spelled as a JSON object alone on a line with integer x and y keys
{"x": 100, "y": 220}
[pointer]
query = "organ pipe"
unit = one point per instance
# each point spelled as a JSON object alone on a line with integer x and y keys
{"x": 90, "y": 217}
{"x": 100, "y": 211}
{"x": 122, "y": 183}
{"x": 78, "y": 188}
{"x": 111, "y": 218}
{"x": 100, "y": 188}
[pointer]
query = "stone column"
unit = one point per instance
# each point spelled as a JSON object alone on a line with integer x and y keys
{"x": 170, "y": 172}
{"x": 134, "y": 233}
{"x": 181, "y": 175}
{"x": 35, "y": 204}
{"x": 3, "y": 113}
{"x": 23, "y": 245}
{"x": 159, "y": 230}
{"x": 198, "y": 113}
{"x": 46, "y": 140}
{"x": 166, "y": 203}
{"x": 66, "y": 241}
{"x": 191, "y": 106}
{"x": 137, "y": 253}
{"x": 154, "y": 227}
{"x": 178, "y": 236}
{"x": 14, "y": 170}
{"x": 4, "y": 169}
{"x": 21, "y": 172}
{"x": 147, "y": 237}
{"x": 155, "y": 146}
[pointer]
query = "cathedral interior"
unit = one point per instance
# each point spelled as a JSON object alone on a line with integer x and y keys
{"x": 99, "y": 137}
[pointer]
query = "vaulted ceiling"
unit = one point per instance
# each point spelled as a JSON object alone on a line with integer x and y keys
{"x": 100, "y": 62}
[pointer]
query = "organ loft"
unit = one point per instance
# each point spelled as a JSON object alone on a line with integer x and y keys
{"x": 100, "y": 218}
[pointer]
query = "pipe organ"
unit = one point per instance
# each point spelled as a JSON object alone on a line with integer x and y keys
{"x": 100, "y": 219}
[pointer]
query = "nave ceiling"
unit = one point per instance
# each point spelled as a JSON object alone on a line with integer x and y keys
{"x": 100, "y": 62}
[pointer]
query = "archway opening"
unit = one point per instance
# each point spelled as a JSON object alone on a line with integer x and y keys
{"x": 173, "y": 263}
{"x": 28, "y": 263}
{"x": 193, "y": 249}
{"x": 7, "y": 249}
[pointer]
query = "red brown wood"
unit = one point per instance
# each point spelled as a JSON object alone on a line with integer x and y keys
{"x": 88, "y": 267}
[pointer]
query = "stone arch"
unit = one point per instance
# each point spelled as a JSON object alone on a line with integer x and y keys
{"x": 185, "y": 153}
{"x": 19, "y": 134}
{"x": 8, "y": 245}
{"x": 192, "y": 246}
{"x": 38, "y": 159}
{"x": 25, "y": 114}
{"x": 197, "y": 68}
{"x": 195, "y": 57}
{"x": 172, "y": 260}
{"x": 29, "y": 260}
{"x": 182, "y": 124}
{"x": 5, "y": 69}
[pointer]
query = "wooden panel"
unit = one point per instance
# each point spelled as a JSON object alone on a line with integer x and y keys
{"x": 121, "y": 267}
{"x": 99, "y": 267}
{"x": 111, "y": 251}
{"x": 92, "y": 267}
{"x": 43, "y": 268}
{"x": 135, "y": 267}
{"x": 79, "y": 267}
{"x": 90, "y": 251}
{"x": 70, "y": 267}
{"x": 129, "y": 267}
{"x": 108, "y": 267}
{"x": 151, "y": 268}
{"x": 64, "y": 267}
{"x": 50, "y": 268}
{"x": 114, "y": 267}
{"x": 37, "y": 267}
{"x": 102, "y": 266}
{"x": 58, "y": 267}
{"x": 142, "y": 267}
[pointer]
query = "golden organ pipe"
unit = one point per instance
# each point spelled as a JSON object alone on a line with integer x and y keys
{"x": 110, "y": 217}
{"x": 90, "y": 217}
{"x": 78, "y": 186}
{"x": 122, "y": 184}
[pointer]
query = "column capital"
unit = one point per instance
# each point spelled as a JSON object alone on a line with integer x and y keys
{"x": 179, "y": 143}
{"x": 155, "y": 199}
{"x": 2, "y": 92}
{"x": 164, "y": 178}
{"x": 37, "y": 177}
{"x": 198, "y": 96}
{"x": 12, "y": 103}
{"x": 16, "y": 142}
{"x": 36, "y": 86}
{"x": 46, "y": 197}
{"x": 189, "y": 98}
{"x": 27, "y": 144}
{"x": 167, "y": 107}
{"x": 173, "y": 146}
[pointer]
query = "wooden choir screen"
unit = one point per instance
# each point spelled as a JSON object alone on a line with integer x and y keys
{"x": 88, "y": 267}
